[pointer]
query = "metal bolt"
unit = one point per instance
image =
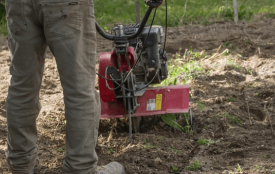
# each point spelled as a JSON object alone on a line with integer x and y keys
{"x": 168, "y": 90}
{"x": 153, "y": 61}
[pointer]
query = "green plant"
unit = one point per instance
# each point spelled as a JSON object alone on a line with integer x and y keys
{"x": 258, "y": 167}
{"x": 171, "y": 120}
{"x": 3, "y": 23}
{"x": 231, "y": 63}
{"x": 111, "y": 151}
{"x": 173, "y": 169}
{"x": 203, "y": 141}
{"x": 187, "y": 128}
{"x": 174, "y": 150}
{"x": 232, "y": 119}
{"x": 266, "y": 156}
{"x": 60, "y": 150}
{"x": 239, "y": 168}
{"x": 156, "y": 147}
{"x": 200, "y": 106}
{"x": 161, "y": 139}
{"x": 183, "y": 70}
{"x": 232, "y": 99}
{"x": 148, "y": 145}
{"x": 226, "y": 44}
{"x": 194, "y": 166}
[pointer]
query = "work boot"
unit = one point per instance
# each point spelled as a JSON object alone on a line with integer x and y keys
{"x": 36, "y": 168}
{"x": 112, "y": 168}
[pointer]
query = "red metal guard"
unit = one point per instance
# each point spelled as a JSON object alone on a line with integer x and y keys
{"x": 108, "y": 60}
{"x": 155, "y": 101}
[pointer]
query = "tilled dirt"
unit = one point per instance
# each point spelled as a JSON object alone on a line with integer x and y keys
{"x": 233, "y": 106}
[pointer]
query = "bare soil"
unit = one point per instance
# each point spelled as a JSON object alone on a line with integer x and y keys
{"x": 236, "y": 113}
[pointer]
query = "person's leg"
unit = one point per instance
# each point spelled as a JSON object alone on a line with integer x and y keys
{"x": 27, "y": 46}
{"x": 69, "y": 27}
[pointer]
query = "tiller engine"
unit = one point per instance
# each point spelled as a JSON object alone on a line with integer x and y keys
{"x": 125, "y": 74}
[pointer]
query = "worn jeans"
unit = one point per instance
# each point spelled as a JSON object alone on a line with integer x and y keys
{"x": 67, "y": 27}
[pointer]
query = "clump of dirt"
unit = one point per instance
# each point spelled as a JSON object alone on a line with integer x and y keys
{"x": 233, "y": 105}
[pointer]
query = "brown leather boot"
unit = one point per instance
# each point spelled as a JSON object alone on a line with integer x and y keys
{"x": 112, "y": 168}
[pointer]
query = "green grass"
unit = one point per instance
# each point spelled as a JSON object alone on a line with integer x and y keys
{"x": 233, "y": 120}
{"x": 185, "y": 69}
{"x": 194, "y": 166}
{"x": 173, "y": 169}
{"x": 232, "y": 99}
{"x": 181, "y": 12}
{"x": 200, "y": 106}
{"x": 203, "y": 141}
{"x": 174, "y": 150}
{"x": 239, "y": 168}
{"x": 3, "y": 23}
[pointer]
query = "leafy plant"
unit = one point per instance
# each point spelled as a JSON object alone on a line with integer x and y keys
{"x": 194, "y": 166}
{"x": 161, "y": 139}
{"x": 60, "y": 150}
{"x": 156, "y": 147}
{"x": 148, "y": 145}
{"x": 203, "y": 141}
{"x": 226, "y": 44}
{"x": 171, "y": 120}
{"x": 181, "y": 70}
{"x": 174, "y": 150}
{"x": 239, "y": 169}
{"x": 200, "y": 106}
{"x": 231, "y": 63}
{"x": 258, "y": 167}
{"x": 111, "y": 151}
{"x": 173, "y": 169}
{"x": 266, "y": 156}
{"x": 232, "y": 119}
{"x": 3, "y": 22}
{"x": 187, "y": 128}
{"x": 232, "y": 99}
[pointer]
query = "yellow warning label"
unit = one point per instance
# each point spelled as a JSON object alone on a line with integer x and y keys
{"x": 158, "y": 101}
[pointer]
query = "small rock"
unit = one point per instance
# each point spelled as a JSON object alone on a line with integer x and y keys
{"x": 157, "y": 160}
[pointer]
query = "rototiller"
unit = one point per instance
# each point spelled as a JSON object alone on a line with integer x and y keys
{"x": 136, "y": 62}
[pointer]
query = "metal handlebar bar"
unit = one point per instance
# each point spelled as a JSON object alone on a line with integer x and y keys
{"x": 127, "y": 37}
